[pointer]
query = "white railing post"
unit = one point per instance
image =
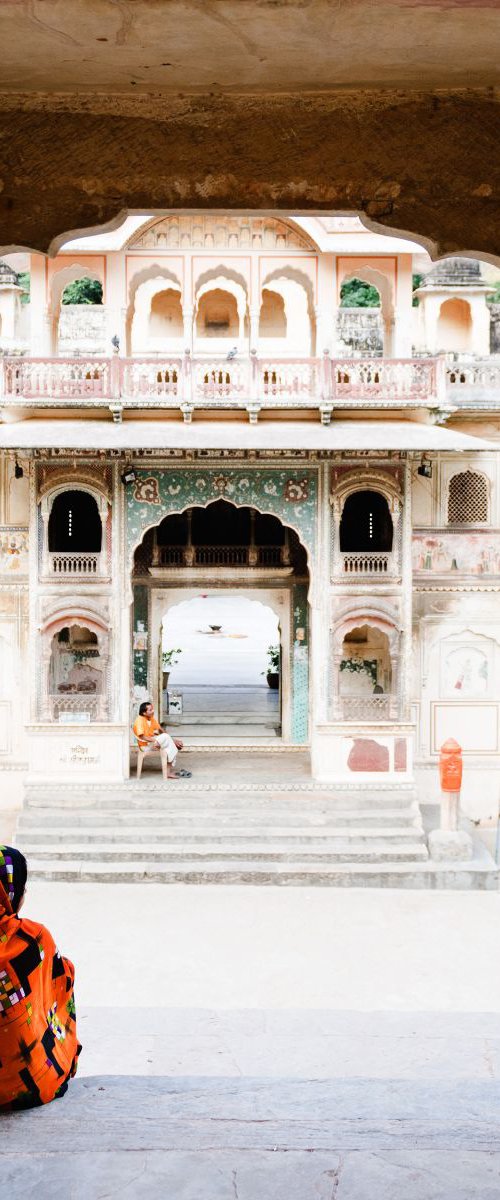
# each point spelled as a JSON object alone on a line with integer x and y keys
{"x": 254, "y": 404}
{"x": 440, "y": 381}
{"x": 187, "y": 405}
{"x": 326, "y": 397}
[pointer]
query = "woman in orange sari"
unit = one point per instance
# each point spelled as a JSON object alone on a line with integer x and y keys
{"x": 38, "y": 1043}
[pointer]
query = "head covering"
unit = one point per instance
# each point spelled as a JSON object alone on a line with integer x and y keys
{"x": 13, "y": 874}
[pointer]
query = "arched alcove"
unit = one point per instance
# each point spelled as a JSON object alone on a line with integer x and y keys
{"x": 165, "y": 320}
{"x": 297, "y": 291}
{"x": 454, "y": 326}
{"x": 75, "y": 671}
{"x": 144, "y": 285}
{"x": 365, "y": 673}
{"x": 217, "y": 315}
{"x": 366, "y": 523}
{"x": 74, "y": 523}
{"x": 272, "y": 318}
{"x": 75, "y": 660}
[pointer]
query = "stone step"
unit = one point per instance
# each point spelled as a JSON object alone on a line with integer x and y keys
{"x": 323, "y": 836}
{"x": 229, "y": 735}
{"x": 298, "y": 874}
{"x": 221, "y": 717}
{"x": 181, "y": 793}
{"x": 175, "y": 819}
{"x": 350, "y": 850}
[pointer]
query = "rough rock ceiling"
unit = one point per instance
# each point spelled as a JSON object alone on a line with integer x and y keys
{"x": 383, "y": 107}
{"x": 247, "y": 45}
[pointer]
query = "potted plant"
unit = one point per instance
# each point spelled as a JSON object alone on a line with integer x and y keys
{"x": 168, "y": 660}
{"x": 273, "y": 667}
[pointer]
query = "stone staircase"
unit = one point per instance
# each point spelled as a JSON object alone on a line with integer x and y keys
{"x": 281, "y": 832}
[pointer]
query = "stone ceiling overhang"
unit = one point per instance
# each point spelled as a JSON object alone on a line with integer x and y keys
{"x": 135, "y": 436}
{"x": 423, "y": 165}
{"x": 172, "y": 46}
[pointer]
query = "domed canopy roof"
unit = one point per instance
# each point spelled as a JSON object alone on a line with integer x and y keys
{"x": 455, "y": 272}
{"x": 8, "y": 277}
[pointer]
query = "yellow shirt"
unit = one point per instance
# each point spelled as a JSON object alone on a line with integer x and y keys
{"x": 146, "y": 727}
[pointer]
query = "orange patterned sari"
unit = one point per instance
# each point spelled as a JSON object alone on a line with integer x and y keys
{"x": 38, "y": 1043}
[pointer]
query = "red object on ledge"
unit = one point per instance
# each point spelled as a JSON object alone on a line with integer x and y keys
{"x": 450, "y": 766}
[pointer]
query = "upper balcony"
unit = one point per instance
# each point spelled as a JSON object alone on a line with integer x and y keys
{"x": 249, "y": 384}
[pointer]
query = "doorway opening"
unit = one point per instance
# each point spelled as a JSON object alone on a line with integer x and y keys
{"x": 216, "y": 652}
{"x": 223, "y": 556}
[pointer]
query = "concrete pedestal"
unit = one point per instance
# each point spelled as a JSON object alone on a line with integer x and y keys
{"x": 450, "y": 846}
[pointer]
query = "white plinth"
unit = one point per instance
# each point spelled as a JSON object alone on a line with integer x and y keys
{"x": 77, "y": 753}
{"x": 450, "y": 846}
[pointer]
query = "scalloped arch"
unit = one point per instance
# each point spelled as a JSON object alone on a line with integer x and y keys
{"x": 291, "y": 496}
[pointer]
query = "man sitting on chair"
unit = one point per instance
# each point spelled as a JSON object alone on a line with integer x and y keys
{"x": 150, "y": 736}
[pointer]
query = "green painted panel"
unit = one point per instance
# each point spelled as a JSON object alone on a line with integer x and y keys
{"x": 288, "y": 494}
{"x": 140, "y": 636}
{"x": 300, "y": 665}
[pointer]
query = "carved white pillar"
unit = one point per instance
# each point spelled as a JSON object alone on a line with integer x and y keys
{"x": 389, "y": 335}
{"x": 253, "y": 553}
{"x": 115, "y": 300}
{"x": 336, "y": 703}
{"x": 403, "y": 318}
{"x": 45, "y": 537}
{"x": 39, "y": 339}
{"x": 188, "y": 323}
{"x": 326, "y": 307}
{"x": 241, "y": 323}
{"x": 324, "y": 332}
{"x": 395, "y": 693}
{"x": 254, "y": 328}
{"x": 189, "y": 549}
{"x": 336, "y": 508}
{"x": 45, "y": 701}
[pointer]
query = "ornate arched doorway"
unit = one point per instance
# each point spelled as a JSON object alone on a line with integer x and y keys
{"x": 235, "y": 551}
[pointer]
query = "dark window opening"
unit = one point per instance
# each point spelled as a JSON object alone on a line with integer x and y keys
{"x": 75, "y": 524}
{"x": 366, "y": 523}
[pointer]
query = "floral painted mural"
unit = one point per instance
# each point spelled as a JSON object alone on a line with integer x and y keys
{"x": 287, "y": 494}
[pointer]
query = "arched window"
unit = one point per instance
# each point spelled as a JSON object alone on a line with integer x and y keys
{"x": 366, "y": 523}
{"x": 75, "y": 523}
{"x": 82, "y": 291}
{"x": 467, "y": 499}
{"x": 359, "y": 293}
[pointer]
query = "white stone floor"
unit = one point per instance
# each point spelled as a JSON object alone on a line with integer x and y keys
{"x": 272, "y": 1044}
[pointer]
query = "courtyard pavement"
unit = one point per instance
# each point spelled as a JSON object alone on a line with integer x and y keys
{"x": 271, "y": 1044}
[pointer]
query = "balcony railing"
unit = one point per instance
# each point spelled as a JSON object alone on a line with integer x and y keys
{"x": 368, "y": 563}
{"x": 57, "y": 379}
{"x": 245, "y": 382}
{"x": 248, "y": 382}
{"x": 220, "y": 556}
{"x": 87, "y": 565}
{"x": 474, "y": 382}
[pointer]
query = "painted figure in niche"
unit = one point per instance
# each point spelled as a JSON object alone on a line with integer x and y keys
{"x": 466, "y": 673}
